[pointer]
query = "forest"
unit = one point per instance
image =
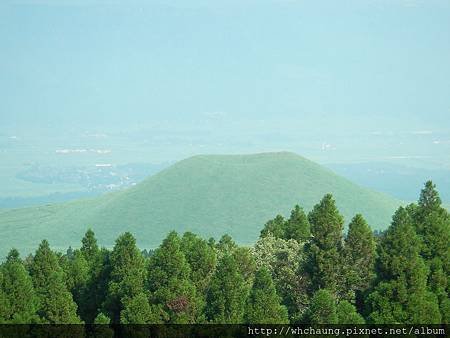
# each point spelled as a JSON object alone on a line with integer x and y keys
{"x": 302, "y": 269}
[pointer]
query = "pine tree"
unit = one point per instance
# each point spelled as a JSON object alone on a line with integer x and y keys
{"x": 401, "y": 295}
{"x": 276, "y": 227}
{"x": 433, "y": 226}
{"x": 325, "y": 249}
{"x": 297, "y": 227}
{"x": 89, "y": 247}
{"x": 201, "y": 258}
{"x": 18, "y": 289}
{"x": 127, "y": 275}
{"x": 227, "y": 293}
{"x": 170, "y": 284}
{"x": 323, "y": 308}
{"x": 263, "y": 304}
{"x": 246, "y": 264}
{"x": 226, "y": 244}
{"x": 56, "y": 302}
{"x": 94, "y": 291}
{"x": 359, "y": 259}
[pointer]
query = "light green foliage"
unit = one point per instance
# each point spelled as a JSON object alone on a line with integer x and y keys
{"x": 263, "y": 304}
{"x": 359, "y": 259}
{"x": 227, "y": 293}
{"x": 21, "y": 302}
{"x": 282, "y": 258}
{"x": 401, "y": 295}
{"x": 102, "y": 319}
{"x": 138, "y": 310}
{"x": 127, "y": 275}
{"x": 323, "y": 308}
{"x": 347, "y": 314}
{"x": 169, "y": 281}
{"x": 325, "y": 249}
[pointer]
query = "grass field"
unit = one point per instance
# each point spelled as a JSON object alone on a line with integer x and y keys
{"x": 210, "y": 195}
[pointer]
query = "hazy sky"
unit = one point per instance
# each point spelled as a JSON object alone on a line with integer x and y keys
{"x": 325, "y": 66}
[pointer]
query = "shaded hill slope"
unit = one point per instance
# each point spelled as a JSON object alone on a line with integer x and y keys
{"x": 208, "y": 194}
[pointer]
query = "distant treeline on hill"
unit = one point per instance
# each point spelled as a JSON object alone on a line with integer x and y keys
{"x": 301, "y": 270}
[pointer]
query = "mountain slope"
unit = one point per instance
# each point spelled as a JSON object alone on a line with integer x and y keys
{"x": 210, "y": 195}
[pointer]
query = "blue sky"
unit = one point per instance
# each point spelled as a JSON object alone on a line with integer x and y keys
{"x": 327, "y": 67}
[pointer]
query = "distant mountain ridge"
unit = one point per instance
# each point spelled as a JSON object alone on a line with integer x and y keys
{"x": 207, "y": 194}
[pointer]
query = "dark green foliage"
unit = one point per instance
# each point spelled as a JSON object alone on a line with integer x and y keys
{"x": 263, "y": 304}
{"x": 227, "y": 293}
{"x": 323, "y": 308}
{"x": 56, "y": 304}
{"x": 359, "y": 259}
{"x": 5, "y": 309}
{"x": 226, "y": 244}
{"x": 246, "y": 264}
{"x": 17, "y": 287}
{"x": 401, "y": 295}
{"x": 170, "y": 284}
{"x": 201, "y": 258}
{"x": 325, "y": 249}
{"x": 89, "y": 247}
{"x": 276, "y": 227}
{"x": 127, "y": 275}
{"x": 297, "y": 226}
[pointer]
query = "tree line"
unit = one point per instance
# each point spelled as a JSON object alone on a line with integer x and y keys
{"x": 302, "y": 269}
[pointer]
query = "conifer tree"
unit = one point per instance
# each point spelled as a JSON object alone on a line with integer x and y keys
{"x": 226, "y": 244}
{"x": 94, "y": 291}
{"x": 276, "y": 227}
{"x": 323, "y": 308}
{"x": 127, "y": 275}
{"x": 201, "y": 258}
{"x": 359, "y": 259}
{"x": 89, "y": 247}
{"x": 297, "y": 226}
{"x": 18, "y": 289}
{"x": 246, "y": 264}
{"x": 401, "y": 295}
{"x": 263, "y": 304}
{"x": 170, "y": 284}
{"x": 56, "y": 304}
{"x": 227, "y": 293}
{"x": 325, "y": 249}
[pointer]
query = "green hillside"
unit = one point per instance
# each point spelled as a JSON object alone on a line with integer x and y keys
{"x": 210, "y": 195}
